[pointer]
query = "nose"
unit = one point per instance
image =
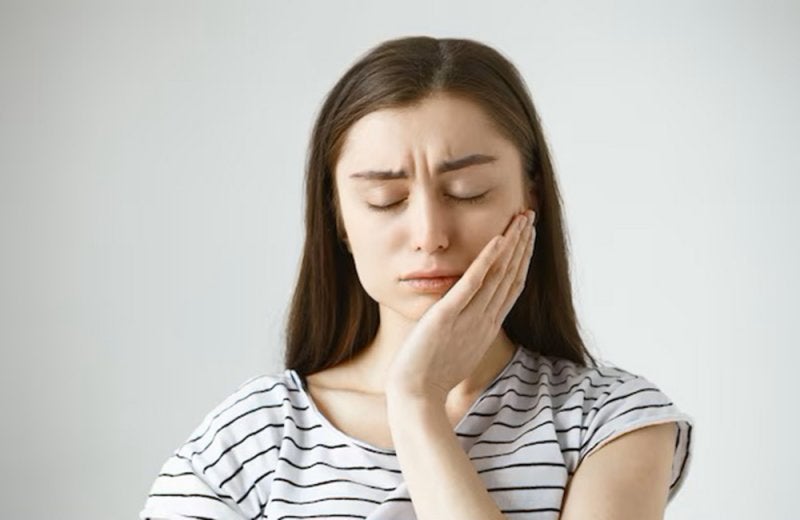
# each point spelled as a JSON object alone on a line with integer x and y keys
{"x": 428, "y": 224}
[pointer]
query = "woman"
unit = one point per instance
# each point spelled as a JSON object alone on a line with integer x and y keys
{"x": 434, "y": 364}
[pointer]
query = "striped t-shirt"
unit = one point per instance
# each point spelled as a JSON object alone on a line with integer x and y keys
{"x": 266, "y": 451}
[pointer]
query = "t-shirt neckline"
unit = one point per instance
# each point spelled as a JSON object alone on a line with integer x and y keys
{"x": 371, "y": 447}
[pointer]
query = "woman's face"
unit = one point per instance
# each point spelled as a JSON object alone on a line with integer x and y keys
{"x": 404, "y": 212}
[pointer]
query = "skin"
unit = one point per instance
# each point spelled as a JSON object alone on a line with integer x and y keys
{"x": 433, "y": 352}
{"x": 458, "y": 347}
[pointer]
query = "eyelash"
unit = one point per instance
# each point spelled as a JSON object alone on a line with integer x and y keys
{"x": 468, "y": 200}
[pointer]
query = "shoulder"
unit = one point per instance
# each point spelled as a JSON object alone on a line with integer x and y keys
{"x": 257, "y": 402}
{"x": 258, "y": 396}
{"x": 214, "y": 470}
{"x": 603, "y": 403}
{"x": 259, "y": 393}
{"x": 599, "y": 385}
{"x": 567, "y": 379}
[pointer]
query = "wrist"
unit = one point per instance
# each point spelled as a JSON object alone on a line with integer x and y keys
{"x": 410, "y": 411}
{"x": 404, "y": 396}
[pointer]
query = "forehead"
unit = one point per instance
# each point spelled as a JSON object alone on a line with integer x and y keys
{"x": 439, "y": 127}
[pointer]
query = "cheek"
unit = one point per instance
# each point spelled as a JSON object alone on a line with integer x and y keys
{"x": 372, "y": 260}
{"x": 477, "y": 242}
{"x": 480, "y": 231}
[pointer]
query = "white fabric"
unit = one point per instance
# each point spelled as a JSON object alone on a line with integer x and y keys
{"x": 267, "y": 452}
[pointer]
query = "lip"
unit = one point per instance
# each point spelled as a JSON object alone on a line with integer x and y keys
{"x": 437, "y": 284}
{"x": 433, "y": 273}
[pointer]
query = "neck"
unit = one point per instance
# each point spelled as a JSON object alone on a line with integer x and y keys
{"x": 372, "y": 364}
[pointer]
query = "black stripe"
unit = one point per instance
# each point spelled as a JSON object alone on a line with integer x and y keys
{"x": 240, "y": 441}
{"x": 605, "y": 403}
{"x": 538, "y": 510}
{"x": 171, "y": 475}
{"x": 522, "y": 488}
{"x": 239, "y": 500}
{"x": 506, "y": 454}
{"x": 644, "y": 407}
{"x": 327, "y": 515}
{"x": 537, "y": 394}
{"x": 589, "y": 380}
{"x": 326, "y": 499}
{"x": 397, "y": 499}
{"x": 524, "y": 465}
{"x": 376, "y": 451}
{"x": 186, "y": 516}
{"x": 273, "y": 425}
{"x": 511, "y": 407}
{"x": 253, "y": 486}
{"x": 585, "y": 375}
{"x": 318, "y": 445}
{"x": 569, "y": 391}
{"x": 519, "y": 362}
{"x": 541, "y": 396}
{"x": 513, "y": 439}
{"x": 191, "y": 495}
{"x": 523, "y": 423}
{"x": 341, "y": 468}
{"x": 286, "y": 438}
{"x": 333, "y": 481}
{"x": 688, "y": 452}
{"x": 620, "y": 397}
{"x": 508, "y": 425}
{"x": 557, "y": 410}
{"x": 265, "y": 390}
{"x": 244, "y": 463}
{"x": 551, "y": 362}
{"x": 506, "y": 441}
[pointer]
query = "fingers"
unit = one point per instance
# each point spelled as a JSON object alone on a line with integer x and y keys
{"x": 488, "y": 281}
{"x": 461, "y": 294}
{"x": 519, "y": 278}
{"x": 504, "y": 266}
{"x": 506, "y": 276}
{"x": 510, "y": 283}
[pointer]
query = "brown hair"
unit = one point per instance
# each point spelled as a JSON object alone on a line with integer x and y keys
{"x": 331, "y": 317}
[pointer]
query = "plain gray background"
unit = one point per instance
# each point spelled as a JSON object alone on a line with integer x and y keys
{"x": 151, "y": 207}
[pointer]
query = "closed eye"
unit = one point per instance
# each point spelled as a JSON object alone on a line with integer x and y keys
{"x": 465, "y": 200}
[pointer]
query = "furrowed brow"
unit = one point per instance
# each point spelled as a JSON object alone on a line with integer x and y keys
{"x": 446, "y": 166}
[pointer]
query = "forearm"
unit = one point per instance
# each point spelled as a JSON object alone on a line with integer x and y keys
{"x": 442, "y": 482}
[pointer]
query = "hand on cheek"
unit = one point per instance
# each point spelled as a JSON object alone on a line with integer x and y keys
{"x": 449, "y": 341}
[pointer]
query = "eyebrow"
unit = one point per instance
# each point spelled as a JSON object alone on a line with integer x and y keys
{"x": 445, "y": 166}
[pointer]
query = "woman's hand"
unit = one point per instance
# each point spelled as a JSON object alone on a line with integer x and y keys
{"x": 448, "y": 342}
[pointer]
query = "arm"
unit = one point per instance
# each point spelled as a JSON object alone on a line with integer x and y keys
{"x": 442, "y": 481}
{"x": 625, "y": 479}
{"x": 444, "y": 348}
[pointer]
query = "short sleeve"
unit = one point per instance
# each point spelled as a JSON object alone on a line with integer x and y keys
{"x": 633, "y": 403}
{"x": 203, "y": 478}
{"x": 180, "y": 491}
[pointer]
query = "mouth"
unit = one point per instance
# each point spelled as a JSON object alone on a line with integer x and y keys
{"x": 431, "y": 284}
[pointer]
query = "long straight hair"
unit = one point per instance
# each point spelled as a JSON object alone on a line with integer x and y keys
{"x": 331, "y": 318}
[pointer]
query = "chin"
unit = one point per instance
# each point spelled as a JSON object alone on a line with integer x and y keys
{"x": 407, "y": 310}
{"x": 416, "y": 309}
